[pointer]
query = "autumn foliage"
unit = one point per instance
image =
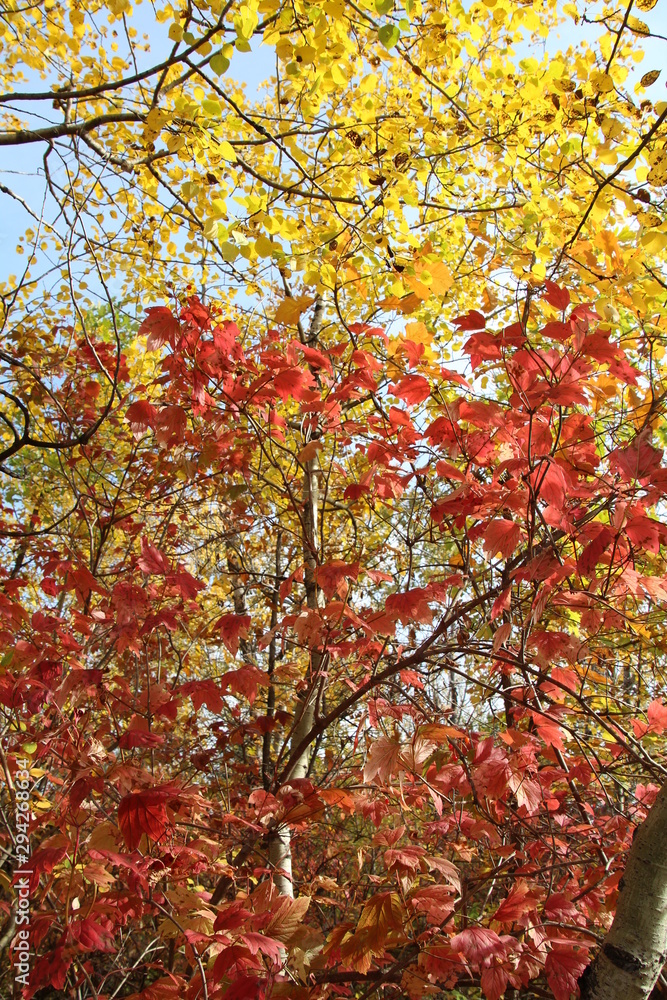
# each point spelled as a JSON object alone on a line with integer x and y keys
{"x": 332, "y": 496}
{"x": 484, "y": 656}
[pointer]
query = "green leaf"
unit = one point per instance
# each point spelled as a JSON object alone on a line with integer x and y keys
{"x": 389, "y": 34}
{"x": 384, "y": 7}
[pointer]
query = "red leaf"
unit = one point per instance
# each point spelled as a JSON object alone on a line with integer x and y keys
{"x": 314, "y": 358}
{"x": 205, "y": 692}
{"x": 657, "y": 716}
{"x": 233, "y": 628}
{"x": 382, "y": 759}
{"x": 494, "y": 981}
{"x": 137, "y": 738}
{"x": 502, "y": 603}
{"x": 143, "y": 813}
{"x": 519, "y": 901}
{"x": 471, "y": 321}
{"x": 563, "y": 968}
{"x": 410, "y": 606}
{"x": 644, "y": 532}
{"x": 501, "y": 536}
{"x": 91, "y": 936}
{"x": 589, "y": 558}
{"x": 413, "y": 389}
{"x": 398, "y": 417}
{"x": 556, "y": 296}
{"x": 141, "y": 415}
{"x": 293, "y": 382}
{"x": 161, "y": 326}
{"x": 267, "y": 945}
{"x": 52, "y": 969}
{"x": 152, "y": 561}
{"x": 637, "y": 461}
{"x": 477, "y": 944}
{"x": 245, "y": 681}
{"x": 331, "y": 577}
{"x": 435, "y": 901}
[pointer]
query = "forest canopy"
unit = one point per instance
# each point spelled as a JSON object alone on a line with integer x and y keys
{"x": 332, "y": 425}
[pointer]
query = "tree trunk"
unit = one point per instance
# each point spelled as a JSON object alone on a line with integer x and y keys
{"x": 635, "y": 949}
{"x": 280, "y": 839}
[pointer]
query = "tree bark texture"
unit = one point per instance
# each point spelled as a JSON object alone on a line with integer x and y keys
{"x": 635, "y": 949}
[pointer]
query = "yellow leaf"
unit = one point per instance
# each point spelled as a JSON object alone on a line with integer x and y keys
{"x": 226, "y": 151}
{"x": 264, "y": 247}
{"x": 638, "y": 27}
{"x": 289, "y": 310}
{"x": 654, "y": 240}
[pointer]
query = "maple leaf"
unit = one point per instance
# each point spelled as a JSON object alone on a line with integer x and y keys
{"x": 151, "y": 560}
{"x": 168, "y": 987}
{"x": 136, "y": 738}
{"x": 436, "y": 902}
{"x": 471, "y": 321}
{"x": 381, "y": 915}
{"x": 144, "y": 813}
{"x": 382, "y": 759}
{"x": 657, "y": 716}
{"x": 287, "y": 917}
{"x": 590, "y": 556}
{"x": 91, "y": 935}
{"x": 161, "y": 326}
{"x": 245, "y": 681}
{"x": 315, "y": 358}
{"x": 290, "y": 309}
{"x": 638, "y": 460}
{"x": 410, "y": 606}
{"x": 564, "y": 966}
{"x": 502, "y": 536}
{"x": 141, "y": 415}
{"x": 645, "y": 532}
{"x": 477, "y": 944}
{"x": 331, "y": 577}
{"x": 412, "y": 389}
{"x": 294, "y": 382}
{"x": 556, "y": 296}
{"x": 520, "y": 900}
{"x": 204, "y": 692}
{"x": 232, "y": 628}
{"x": 494, "y": 981}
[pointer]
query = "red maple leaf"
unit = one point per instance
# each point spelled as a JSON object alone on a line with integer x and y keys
{"x": 556, "y": 296}
{"x": 141, "y": 415}
{"x": 293, "y": 382}
{"x": 501, "y": 536}
{"x": 152, "y": 561}
{"x": 478, "y": 944}
{"x": 232, "y": 628}
{"x": 144, "y": 813}
{"x": 563, "y": 967}
{"x": 472, "y": 320}
{"x": 161, "y": 326}
{"x": 412, "y": 389}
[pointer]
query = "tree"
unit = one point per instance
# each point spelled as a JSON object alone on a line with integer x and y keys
{"x": 333, "y": 615}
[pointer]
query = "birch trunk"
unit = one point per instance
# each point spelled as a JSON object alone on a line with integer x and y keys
{"x": 635, "y": 949}
{"x": 280, "y": 841}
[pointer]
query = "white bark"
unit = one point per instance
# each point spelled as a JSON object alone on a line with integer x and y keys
{"x": 635, "y": 949}
{"x": 280, "y": 840}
